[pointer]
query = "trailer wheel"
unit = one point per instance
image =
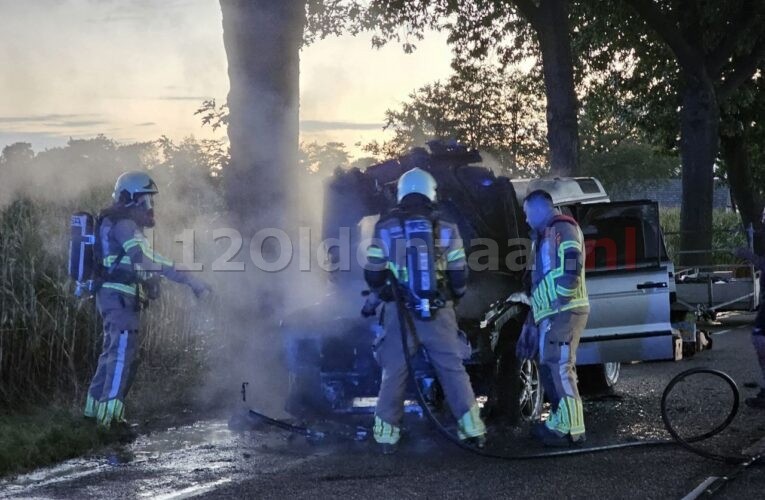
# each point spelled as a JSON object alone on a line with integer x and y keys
{"x": 598, "y": 379}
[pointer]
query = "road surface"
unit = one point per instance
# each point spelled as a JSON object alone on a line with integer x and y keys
{"x": 206, "y": 460}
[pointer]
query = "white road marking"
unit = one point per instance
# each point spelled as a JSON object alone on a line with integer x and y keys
{"x": 191, "y": 491}
{"x": 67, "y": 471}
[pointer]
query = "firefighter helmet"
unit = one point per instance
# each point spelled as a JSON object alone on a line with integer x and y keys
{"x": 131, "y": 185}
{"x": 419, "y": 181}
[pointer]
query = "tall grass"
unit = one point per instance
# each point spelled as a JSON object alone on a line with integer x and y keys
{"x": 44, "y": 332}
{"x": 50, "y": 340}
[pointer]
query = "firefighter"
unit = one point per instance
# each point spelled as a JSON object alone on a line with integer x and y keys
{"x": 131, "y": 271}
{"x": 758, "y": 331}
{"x": 560, "y": 308}
{"x": 425, "y": 254}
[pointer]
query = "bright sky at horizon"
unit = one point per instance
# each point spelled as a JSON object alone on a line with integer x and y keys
{"x": 134, "y": 70}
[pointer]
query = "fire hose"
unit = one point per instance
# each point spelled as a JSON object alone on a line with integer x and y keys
{"x": 407, "y": 327}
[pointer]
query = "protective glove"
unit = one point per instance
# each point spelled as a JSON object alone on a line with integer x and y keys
{"x": 199, "y": 287}
{"x": 527, "y": 346}
{"x": 370, "y": 305}
{"x": 152, "y": 286}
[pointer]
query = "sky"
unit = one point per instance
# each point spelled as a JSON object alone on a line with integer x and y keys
{"x": 134, "y": 70}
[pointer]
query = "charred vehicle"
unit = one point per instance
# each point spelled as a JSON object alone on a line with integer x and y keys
{"x": 329, "y": 345}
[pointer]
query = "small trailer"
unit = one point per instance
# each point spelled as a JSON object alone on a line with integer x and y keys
{"x": 708, "y": 290}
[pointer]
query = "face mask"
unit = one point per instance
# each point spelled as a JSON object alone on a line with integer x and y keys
{"x": 145, "y": 201}
{"x": 144, "y": 210}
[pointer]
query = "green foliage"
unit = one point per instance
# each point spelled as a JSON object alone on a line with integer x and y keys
{"x": 727, "y": 234}
{"x": 742, "y": 116}
{"x": 626, "y": 57}
{"x": 44, "y": 436}
{"x": 501, "y": 113}
{"x": 312, "y": 157}
{"x": 323, "y": 158}
{"x": 626, "y": 163}
{"x": 628, "y": 77}
{"x": 213, "y": 115}
{"x": 477, "y": 29}
{"x": 19, "y": 153}
{"x": 331, "y": 17}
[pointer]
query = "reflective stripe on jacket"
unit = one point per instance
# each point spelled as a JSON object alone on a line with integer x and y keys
{"x": 558, "y": 282}
{"x": 138, "y": 262}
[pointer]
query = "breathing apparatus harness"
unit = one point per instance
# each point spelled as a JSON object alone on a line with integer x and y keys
{"x": 87, "y": 250}
{"x": 422, "y": 291}
{"x": 89, "y": 244}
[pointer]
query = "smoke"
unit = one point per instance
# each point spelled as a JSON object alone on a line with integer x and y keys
{"x": 59, "y": 175}
{"x": 255, "y": 330}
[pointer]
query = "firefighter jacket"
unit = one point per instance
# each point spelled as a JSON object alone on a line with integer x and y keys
{"x": 388, "y": 251}
{"x": 557, "y": 278}
{"x": 128, "y": 259}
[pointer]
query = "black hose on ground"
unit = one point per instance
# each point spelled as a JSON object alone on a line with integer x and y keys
{"x": 406, "y": 322}
{"x": 687, "y": 443}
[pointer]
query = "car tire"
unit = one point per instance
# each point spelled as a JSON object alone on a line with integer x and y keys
{"x": 598, "y": 379}
{"x": 518, "y": 388}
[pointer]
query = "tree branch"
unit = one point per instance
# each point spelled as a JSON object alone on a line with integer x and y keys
{"x": 740, "y": 24}
{"x": 743, "y": 70}
{"x": 688, "y": 57}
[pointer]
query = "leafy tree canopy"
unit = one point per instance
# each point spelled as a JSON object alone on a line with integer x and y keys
{"x": 498, "y": 112}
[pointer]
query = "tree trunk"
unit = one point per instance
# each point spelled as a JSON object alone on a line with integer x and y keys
{"x": 742, "y": 189}
{"x": 700, "y": 119}
{"x": 552, "y": 27}
{"x": 262, "y": 39}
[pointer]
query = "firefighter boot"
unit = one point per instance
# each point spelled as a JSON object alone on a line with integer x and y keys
{"x": 564, "y": 427}
{"x": 472, "y": 428}
{"x": 91, "y": 408}
{"x": 386, "y": 435}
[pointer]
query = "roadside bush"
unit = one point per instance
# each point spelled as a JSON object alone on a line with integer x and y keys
{"x": 727, "y": 234}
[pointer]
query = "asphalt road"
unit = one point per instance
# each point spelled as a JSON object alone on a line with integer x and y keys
{"x": 206, "y": 460}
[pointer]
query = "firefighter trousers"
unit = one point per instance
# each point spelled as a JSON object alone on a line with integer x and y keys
{"x": 118, "y": 361}
{"x": 445, "y": 350}
{"x": 558, "y": 341}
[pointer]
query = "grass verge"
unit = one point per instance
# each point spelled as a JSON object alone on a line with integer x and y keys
{"x": 40, "y": 436}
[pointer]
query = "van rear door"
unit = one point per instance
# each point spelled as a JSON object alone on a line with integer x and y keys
{"x": 628, "y": 281}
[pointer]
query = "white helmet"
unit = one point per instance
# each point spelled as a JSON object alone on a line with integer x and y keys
{"x": 419, "y": 181}
{"x": 131, "y": 185}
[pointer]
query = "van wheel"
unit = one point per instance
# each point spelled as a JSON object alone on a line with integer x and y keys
{"x": 598, "y": 379}
{"x": 518, "y": 388}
